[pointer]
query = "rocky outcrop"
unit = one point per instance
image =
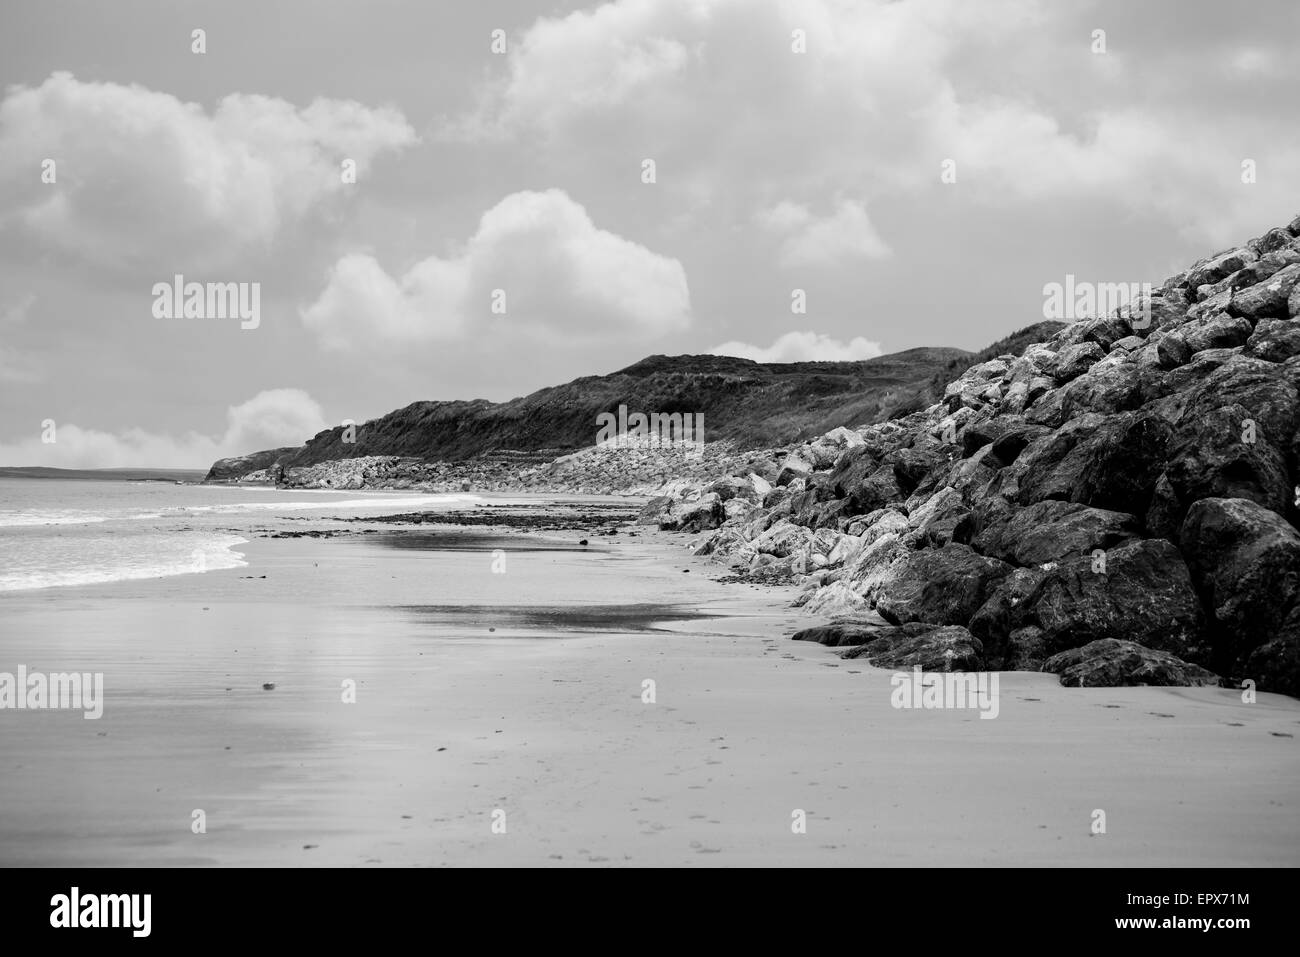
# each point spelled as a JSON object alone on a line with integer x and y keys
{"x": 247, "y": 467}
{"x": 1117, "y": 504}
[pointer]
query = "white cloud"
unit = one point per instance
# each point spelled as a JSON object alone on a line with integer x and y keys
{"x": 803, "y": 347}
{"x": 560, "y": 273}
{"x": 881, "y": 97}
{"x": 146, "y": 181}
{"x": 843, "y": 236}
{"x": 271, "y": 419}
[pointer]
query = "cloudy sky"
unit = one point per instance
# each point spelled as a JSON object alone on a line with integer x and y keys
{"x": 796, "y": 144}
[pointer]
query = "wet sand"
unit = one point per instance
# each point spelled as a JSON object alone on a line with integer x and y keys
{"x": 521, "y": 692}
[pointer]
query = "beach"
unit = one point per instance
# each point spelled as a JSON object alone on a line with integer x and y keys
{"x": 502, "y": 717}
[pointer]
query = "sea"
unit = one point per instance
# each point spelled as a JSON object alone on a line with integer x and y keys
{"x": 65, "y": 531}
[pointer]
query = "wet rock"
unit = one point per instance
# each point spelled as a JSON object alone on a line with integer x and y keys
{"x": 929, "y": 647}
{"x": 1114, "y": 663}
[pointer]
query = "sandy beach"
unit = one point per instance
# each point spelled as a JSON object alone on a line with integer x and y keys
{"x": 521, "y": 691}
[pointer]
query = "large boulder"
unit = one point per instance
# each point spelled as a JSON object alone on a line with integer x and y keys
{"x": 1274, "y": 340}
{"x": 1113, "y": 662}
{"x": 1052, "y": 530}
{"x": 1223, "y": 453}
{"x": 1244, "y": 560}
{"x": 1111, "y": 463}
{"x": 943, "y": 586}
{"x": 1267, "y": 299}
{"x": 705, "y": 513}
{"x": 1140, "y": 591}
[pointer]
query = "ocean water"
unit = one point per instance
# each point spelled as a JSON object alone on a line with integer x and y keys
{"x": 57, "y": 532}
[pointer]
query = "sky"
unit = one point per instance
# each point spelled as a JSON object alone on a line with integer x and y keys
{"x": 476, "y": 200}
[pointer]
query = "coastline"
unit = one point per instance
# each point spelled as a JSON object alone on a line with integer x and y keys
{"x": 543, "y": 718}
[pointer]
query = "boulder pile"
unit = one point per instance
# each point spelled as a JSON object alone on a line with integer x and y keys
{"x": 1118, "y": 504}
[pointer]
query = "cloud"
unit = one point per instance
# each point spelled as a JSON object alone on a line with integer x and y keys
{"x": 560, "y": 274}
{"x": 803, "y": 347}
{"x": 843, "y": 236}
{"x": 271, "y": 419}
{"x": 17, "y": 311}
{"x": 144, "y": 181}
{"x": 886, "y": 90}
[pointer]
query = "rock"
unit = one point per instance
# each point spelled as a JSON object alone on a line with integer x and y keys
{"x": 1104, "y": 331}
{"x": 1245, "y": 561}
{"x": 795, "y": 465}
{"x": 938, "y": 519}
{"x": 1144, "y": 594}
{"x": 1025, "y": 650}
{"x": 1276, "y": 238}
{"x": 842, "y": 634}
{"x": 1173, "y": 350}
{"x": 851, "y": 469}
{"x": 1115, "y": 663}
{"x": 1006, "y": 448}
{"x": 655, "y": 510}
{"x": 929, "y": 647}
{"x": 1267, "y": 299}
{"x": 1274, "y": 340}
{"x": 883, "y": 521}
{"x": 912, "y": 465}
{"x": 708, "y": 512}
{"x": 871, "y": 569}
{"x": 1052, "y": 530}
{"x": 1002, "y": 618}
{"x": 1109, "y": 386}
{"x": 1111, "y": 463}
{"x": 1275, "y": 665}
{"x": 782, "y": 540}
{"x": 836, "y": 600}
{"x": 1075, "y": 360}
{"x": 1252, "y": 384}
{"x": 943, "y": 586}
{"x": 879, "y": 489}
{"x": 1216, "y": 454}
{"x": 1220, "y": 266}
{"x": 1220, "y": 331}
{"x": 729, "y": 487}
